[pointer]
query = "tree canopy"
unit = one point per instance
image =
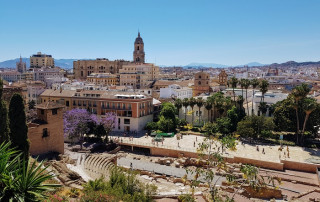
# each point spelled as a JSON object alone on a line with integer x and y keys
{"x": 18, "y": 124}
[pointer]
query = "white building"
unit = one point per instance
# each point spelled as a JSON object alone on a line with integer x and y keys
{"x": 271, "y": 97}
{"x": 42, "y": 73}
{"x": 49, "y": 80}
{"x": 176, "y": 91}
{"x": 35, "y": 89}
{"x": 10, "y": 76}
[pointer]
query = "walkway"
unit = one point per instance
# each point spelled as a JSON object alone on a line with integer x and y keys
{"x": 190, "y": 143}
{"x": 160, "y": 169}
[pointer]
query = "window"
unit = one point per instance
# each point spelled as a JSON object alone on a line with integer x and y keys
{"x": 54, "y": 111}
{"x": 137, "y": 47}
{"x": 199, "y": 82}
{"x": 199, "y": 77}
{"x": 45, "y": 132}
{"x": 67, "y": 103}
{"x": 126, "y": 121}
{"x": 119, "y": 123}
{"x": 42, "y": 112}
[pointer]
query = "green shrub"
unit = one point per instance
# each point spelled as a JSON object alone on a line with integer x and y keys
{"x": 186, "y": 198}
{"x": 195, "y": 129}
{"x": 97, "y": 196}
{"x": 266, "y": 134}
{"x": 122, "y": 186}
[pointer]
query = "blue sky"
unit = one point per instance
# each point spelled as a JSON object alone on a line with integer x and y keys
{"x": 175, "y": 32}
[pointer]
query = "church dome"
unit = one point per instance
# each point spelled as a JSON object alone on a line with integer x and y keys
{"x": 138, "y": 39}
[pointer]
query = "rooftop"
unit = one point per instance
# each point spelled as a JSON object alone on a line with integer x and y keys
{"x": 49, "y": 105}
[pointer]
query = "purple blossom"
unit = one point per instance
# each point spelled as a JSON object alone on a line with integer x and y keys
{"x": 108, "y": 121}
{"x": 75, "y": 123}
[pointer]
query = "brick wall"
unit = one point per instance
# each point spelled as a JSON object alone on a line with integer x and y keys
{"x": 54, "y": 142}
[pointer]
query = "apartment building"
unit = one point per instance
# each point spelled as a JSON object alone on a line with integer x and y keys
{"x": 133, "y": 110}
{"x": 41, "y": 60}
{"x": 105, "y": 79}
{"x": 138, "y": 75}
{"x": 11, "y": 76}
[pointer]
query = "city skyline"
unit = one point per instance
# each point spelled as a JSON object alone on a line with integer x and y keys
{"x": 174, "y": 33}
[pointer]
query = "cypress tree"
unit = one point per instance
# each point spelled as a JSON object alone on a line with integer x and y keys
{"x": 4, "y": 121}
{"x": 18, "y": 124}
{"x": 1, "y": 88}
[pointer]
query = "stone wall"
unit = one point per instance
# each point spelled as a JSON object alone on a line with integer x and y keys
{"x": 54, "y": 141}
{"x": 259, "y": 163}
{"x": 9, "y": 91}
{"x": 99, "y": 165}
{"x": 300, "y": 166}
{"x": 281, "y": 166}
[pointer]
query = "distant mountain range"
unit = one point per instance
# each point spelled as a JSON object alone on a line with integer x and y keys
{"x": 63, "y": 63}
{"x": 68, "y": 64}
{"x": 214, "y": 65}
{"x": 199, "y": 65}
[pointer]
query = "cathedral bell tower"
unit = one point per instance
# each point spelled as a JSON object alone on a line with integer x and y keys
{"x": 138, "y": 53}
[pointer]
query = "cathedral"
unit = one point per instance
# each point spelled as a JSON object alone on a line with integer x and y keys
{"x": 83, "y": 68}
{"x": 136, "y": 73}
{"x": 138, "y": 53}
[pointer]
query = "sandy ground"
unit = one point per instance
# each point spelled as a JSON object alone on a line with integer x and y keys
{"x": 190, "y": 143}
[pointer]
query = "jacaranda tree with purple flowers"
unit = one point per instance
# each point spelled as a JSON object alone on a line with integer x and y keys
{"x": 76, "y": 123}
{"x": 107, "y": 122}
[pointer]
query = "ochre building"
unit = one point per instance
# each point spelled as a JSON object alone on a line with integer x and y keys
{"x": 105, "y": 79}
{"x": 46, "y": 132}
{"x": 84, "y": 68}
{"x": 201, "y": 83}
{"x": 133, "y": 110}
{"x": 41, "y": 60}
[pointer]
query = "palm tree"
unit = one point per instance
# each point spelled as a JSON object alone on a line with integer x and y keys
{"x": 227, "y": 103}
{"x": 309, "y": 105}
{"x": 211, "y": 99}
{"x": 178, "y": 104}
{"x": 208, "y": 106}
{"x": 242, "y": 82}
{"x": 218, "y": 102}
{"x": 199, "y": 104}
{"x": 192, "y": 103}
{"x": 185, "y": 103}
{"x": 298, "y": 93}
{"x": 254, "y": 83}
{"x": 246, "y": 84}
{"x": 264, "y": 84}
{"x": 234, "y": 82}
{"x": 240, "y": 101}
{"x": 21, "y": 180}
{"x": 263, "y": 108}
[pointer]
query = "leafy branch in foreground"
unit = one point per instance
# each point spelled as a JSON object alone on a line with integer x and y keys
{"x": 21, "y": 180}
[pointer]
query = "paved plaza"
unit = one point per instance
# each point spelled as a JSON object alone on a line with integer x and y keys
{"x": 190, "y": 143}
